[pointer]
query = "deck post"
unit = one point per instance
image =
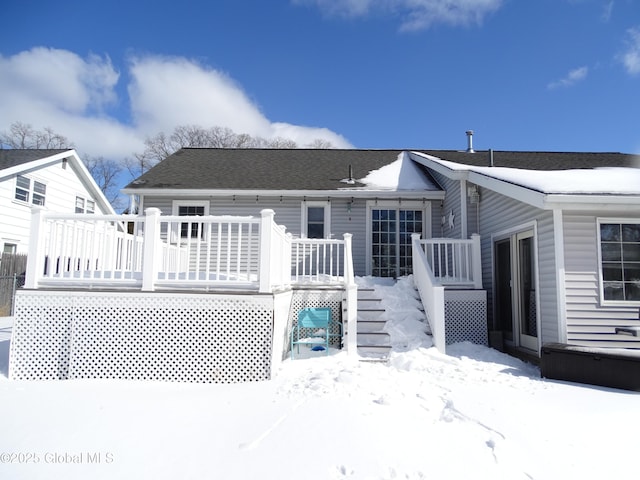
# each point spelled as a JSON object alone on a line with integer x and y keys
{"x": 264, "y": 273}
{"x": 349, "y": 278}
{"x": 35, "y": 256}
{"x": 150, "y": 260}
{"x": 477, "y": 261}
{"x": 350, "y": 308}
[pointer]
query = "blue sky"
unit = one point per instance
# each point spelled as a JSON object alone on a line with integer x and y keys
{"x": 524, "y": 75}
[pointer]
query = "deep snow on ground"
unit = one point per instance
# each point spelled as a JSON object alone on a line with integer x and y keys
{"x": 471, "y": 414}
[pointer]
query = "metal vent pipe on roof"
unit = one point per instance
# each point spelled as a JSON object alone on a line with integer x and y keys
{"x": 470, "y": 141}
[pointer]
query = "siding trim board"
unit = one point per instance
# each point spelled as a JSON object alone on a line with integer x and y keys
{"x": 561, "y": 281}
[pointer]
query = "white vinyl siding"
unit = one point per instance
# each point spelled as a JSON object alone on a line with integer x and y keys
{"x": 589, "y": 321}
{"x": 501, "y": 214}
{"x": 450, "y": 206}
{"x": 62, "y": 187}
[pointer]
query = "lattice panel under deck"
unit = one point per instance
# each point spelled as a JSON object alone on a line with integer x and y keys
{"x": 315, "y": 299}
{"x": 465, "y": 314}
{"x": 41, "y": 338}
{"x": 170, "y": 337}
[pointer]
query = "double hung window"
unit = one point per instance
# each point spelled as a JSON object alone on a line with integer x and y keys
{"x": 619, "y": 244}
{"x": 30, "y": 191}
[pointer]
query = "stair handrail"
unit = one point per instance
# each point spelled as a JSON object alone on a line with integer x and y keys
{"x": 431, "y": 294}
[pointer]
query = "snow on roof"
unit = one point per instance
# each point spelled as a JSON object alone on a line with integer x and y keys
{"x": 605, "y": 180}
{"x": 403, "y": 174}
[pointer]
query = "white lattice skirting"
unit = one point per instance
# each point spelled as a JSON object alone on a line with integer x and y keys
{"x": 465, "y": 313}
{"x": 315, "y": 299}
{"x": 142, "y": 336}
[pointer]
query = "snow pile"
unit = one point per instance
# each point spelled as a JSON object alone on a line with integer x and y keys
{"x": 472, "y": 414}
{"x": 403, "y": 174}
{"x": 603, "y": 180}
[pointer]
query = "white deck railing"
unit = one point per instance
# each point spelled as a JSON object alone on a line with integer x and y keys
{"x": 454, "y": 262}
{"x": 203, "y": 252}
{"x": 431, "y": 293}
{"x": 440, "y": 262}
{"x": 321, "y": 260}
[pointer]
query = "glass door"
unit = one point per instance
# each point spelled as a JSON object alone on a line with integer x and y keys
{"x": 515, "y": 311}
{"x": 391, "y": 230}
{"x": 526, "y": 291}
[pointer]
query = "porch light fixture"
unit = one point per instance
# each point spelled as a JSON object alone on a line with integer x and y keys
{"x": 473, "y": 194}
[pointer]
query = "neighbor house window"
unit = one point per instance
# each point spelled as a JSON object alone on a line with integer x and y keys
{"x": 85, "y": 206}
{"x": 315, "y": 220}
{"x": 620, "y": 260}
{"x": 30, "y": 191}
{"x": 9, "y": 248}
{"x": 184, "y": 209}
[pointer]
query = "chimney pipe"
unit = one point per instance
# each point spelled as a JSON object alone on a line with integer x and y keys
{"x": 491, "y": 157}
{"x": 470, "y": 141}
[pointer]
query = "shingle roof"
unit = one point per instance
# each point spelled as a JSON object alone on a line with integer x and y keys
{"x": 12, "y": 157}
{"x": 323, "y": 169}
{"x": 263, "y": 169}
{"x": 539, "y": 160}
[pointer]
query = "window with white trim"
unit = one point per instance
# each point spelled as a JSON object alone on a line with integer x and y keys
{"x": 190, "y": 208}
{"x": 84, "y": 205}
{"x": 316, "y": 220}
{"x": 619, "y": 248}
{"x": 9, "y": 248}
{"x": 30, "y": 191}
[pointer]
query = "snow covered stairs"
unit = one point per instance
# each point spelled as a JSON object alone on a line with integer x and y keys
{"x": 373, "y": 342}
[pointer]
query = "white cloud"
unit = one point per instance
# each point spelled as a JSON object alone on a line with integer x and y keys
{"x": 574, "y": 76}
{"x": 607, "y": 10}
{"x": 416, "y": 14}
{"x": 75, "y": 96}
{"x": 631, "y": 58}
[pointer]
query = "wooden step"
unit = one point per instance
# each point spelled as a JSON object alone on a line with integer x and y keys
{"x": 374, "y": 352}
{"x": 371, "y": 325}
{"x": 373, "y": 338}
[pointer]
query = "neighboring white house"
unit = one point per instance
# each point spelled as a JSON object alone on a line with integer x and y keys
{"x": 56, "y": 180}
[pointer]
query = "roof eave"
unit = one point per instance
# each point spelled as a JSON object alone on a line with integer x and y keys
{"x": 590, "y": 201}
{"x": 343, "y": 193}
{"x": 434, "y": 163}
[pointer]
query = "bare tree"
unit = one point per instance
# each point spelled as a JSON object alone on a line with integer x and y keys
{"x": 160, "y": 146}
{"x": 23, "y": 136}
{"x": 105, "y": 172}
{"x": 320, "y": 143}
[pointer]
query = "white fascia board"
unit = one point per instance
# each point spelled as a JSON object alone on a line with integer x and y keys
{"x": 75, "y": 162}
{"x": 179, "y": 192}
{"x": 88, "y": 180}
{"x": 434, "y": 163}
{"x": 592, "y": 201}
{"x": 517, "y": 192}
{"x": 35, "y": 164}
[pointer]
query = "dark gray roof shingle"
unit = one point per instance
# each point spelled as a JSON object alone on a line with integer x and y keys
{"x": 539, "y": 160}
{"x": 12, "y": 157}
{"x": 323, "y": 169}
{"x": 263, "y": 169}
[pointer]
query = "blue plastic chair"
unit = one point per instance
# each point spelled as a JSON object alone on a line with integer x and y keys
{"x": 318, "y": 322}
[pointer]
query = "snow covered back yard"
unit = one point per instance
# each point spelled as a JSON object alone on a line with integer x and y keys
{"x": 472, "y": 414}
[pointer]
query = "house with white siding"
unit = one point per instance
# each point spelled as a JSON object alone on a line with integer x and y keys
{"x": 54, "y": 180}
{"x": 560, "y": 231}
{"x": 225, "y": 247}
{"x": 560, "y": 235}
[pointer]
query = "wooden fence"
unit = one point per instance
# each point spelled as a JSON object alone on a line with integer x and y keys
{"x": 12, "y": 268}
